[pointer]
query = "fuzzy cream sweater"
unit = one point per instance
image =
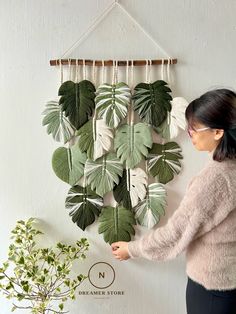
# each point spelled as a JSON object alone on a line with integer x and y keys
{"x": 204, "y": 225}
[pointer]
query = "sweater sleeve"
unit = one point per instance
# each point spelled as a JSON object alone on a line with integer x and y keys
{"x": 207, "y": 202}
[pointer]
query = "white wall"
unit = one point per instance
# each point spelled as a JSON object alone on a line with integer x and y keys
{"x": 201, "y": 34}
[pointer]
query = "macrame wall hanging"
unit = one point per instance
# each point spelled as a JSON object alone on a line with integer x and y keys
{"x": 108, "y": 129}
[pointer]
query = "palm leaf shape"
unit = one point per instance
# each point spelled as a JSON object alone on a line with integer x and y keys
{"x": 68, "y": 163}
{"x": 164, "y": 161}
{"x": 77, "y": 101}
{"x": 131, "y": 188}
{"x": 148, "y": 211}
{"x": 112, "y": 102}
{"x": 103, "y": 173}
{"x": 116, "y": 224}
{"x": 152, "y": 102}
{"x": 176, "y": 119}
{"x": 103, "y": 142}
{"x": 57, "y": 123}
{"x": 84, "y": 205}
{"x": 131, "y": 142}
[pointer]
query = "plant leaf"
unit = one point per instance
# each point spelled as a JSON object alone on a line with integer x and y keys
{"x": 103, "y": 173}
{"x": 57, "y": 123}
{"x": 77, "y": 100}
{"x": 112, "y": 102}
{"x": 116, "y": 224}
{"x": 131, "y": 142}
{"x": 152, "y": 102}
{"x": 102, "y": 144}
{"x": 131, "y": 188}
{"x": 148, "y": 211}
{"x": 68, "y": 163}
{"x": 175, "y": 120}
{"x": 164, "y": 161}
{"x": 84, "y": 205}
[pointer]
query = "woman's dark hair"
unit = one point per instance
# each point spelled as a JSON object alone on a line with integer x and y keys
{"x": 217, "y": 109}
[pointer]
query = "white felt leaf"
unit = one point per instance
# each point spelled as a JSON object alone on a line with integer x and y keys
{"x": 138, "y": 184}
{"x": 104, "y": 138}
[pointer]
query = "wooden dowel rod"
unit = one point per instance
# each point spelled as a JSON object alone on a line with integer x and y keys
{"x": 109, "y": 62}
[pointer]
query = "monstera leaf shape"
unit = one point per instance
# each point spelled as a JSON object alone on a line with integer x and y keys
{"x": 152, "y": 102}
{"x": 57, "y": 123}
{"x": 148, "y": 211}
{"x": 103, "y": 142}
{"x": 164, "y": 161}
{"x": 131, "y": 142}
{"x": 84, "y": 205}
{"x": 131, "y": 188}
{"x": 112, "y": 102}
{"x": 176, "y": 119}
{"x": 77, "y": 101}
{"x": 116, "y": 224}
{"x": 68, "y": 163}
{"x": 103, "y": 173}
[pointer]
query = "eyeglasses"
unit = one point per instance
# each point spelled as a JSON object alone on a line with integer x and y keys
{"x": 191, "y": 131}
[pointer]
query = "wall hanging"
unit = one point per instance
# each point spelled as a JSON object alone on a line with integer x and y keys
{"x": 108, "y": 131}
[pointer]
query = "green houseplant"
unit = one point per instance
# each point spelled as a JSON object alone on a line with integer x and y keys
{"x": 40, "y": 277}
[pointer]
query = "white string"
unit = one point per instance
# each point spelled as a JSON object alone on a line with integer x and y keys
{"x": 116, "y": 73}
{"x": 149, "y": 72}
{"x": 146, "y": 71}
{"x": 76, "y": 70}
{"x": 127, "y": 72}
{"x": 131, "y": 87}
{"x": 61, "y": 70}
{"x": 101, "y": 17}
{"x": 102, "y": 72}
{"x": 84, "y": 70}
{"x": 168, "y": 71}
{"x": 162, "y": 69}
{"x": 113, "y": 72}
{"x": 132, "y": 74}
{"x": 69, "y": 63}
{"x": 94, "y": 73}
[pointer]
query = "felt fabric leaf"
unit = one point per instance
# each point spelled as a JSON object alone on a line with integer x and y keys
{"x": 116, "y": 224}
{"x": 112, "y": 102}
{"x": 164, "y": 161}
{"x": 152, "y": 102}
{"x": 84, "y": 205}
{"x": 57, "y": 123}
{"x": 131, "y": 142}
{"x": 148, "y": 211}
{"x": 68, "y": 163}
{"x": 131, "y": 188}
{"x": 175, "y": 120}
{"x": 77, "y": 101}
{"x": 103, "y": 173}
{"x": 103, "y": 142}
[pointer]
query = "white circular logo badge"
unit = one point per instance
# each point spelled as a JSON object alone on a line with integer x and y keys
{"x": 101, "y": 275}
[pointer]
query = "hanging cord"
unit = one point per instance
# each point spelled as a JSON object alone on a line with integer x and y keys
{"x": 150, "y": 71}
{"x": 127, "y": 72}
{"x": 113, "y": 72}
{"x": 94, "y": 73}
{"x": 103, "y": 71}
{"x": 61, "y": 70}
{"x": 146, "y": 71}
{"x": 76, "y": 71}
{"x": 168, "y": 70}
{"x": 116, "y": 72}
{"x": 69, "y": 74}
{"x": 84, "y": 70}
{"x": 162, "y": 68}
{"x": 132, "y": 87}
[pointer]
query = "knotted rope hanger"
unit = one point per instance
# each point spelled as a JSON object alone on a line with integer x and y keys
{"x": 98, "y": 20}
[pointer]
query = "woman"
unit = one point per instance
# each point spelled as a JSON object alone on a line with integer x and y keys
{"x": 204, "y": 225}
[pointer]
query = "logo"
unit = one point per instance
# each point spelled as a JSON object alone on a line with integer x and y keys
{"x": 101, "y": 275}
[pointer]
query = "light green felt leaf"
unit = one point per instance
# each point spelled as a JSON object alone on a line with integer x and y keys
{"x": 152, "y": 102}
{"x": 103, "y": 173}
{"x": 77, "y": 101}
{"x": 164, "y": 161}
{"x": 116, "y": 224}
{"x": 57, "y": 123}
{"x": 84, "y": 205}
{"x": 112, "y": 102}
{"x": 68, "y": 163}
{"x": 148, "y": 211}
{"x": 131, "y": 143}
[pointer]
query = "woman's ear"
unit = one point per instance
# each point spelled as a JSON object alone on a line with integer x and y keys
{"x": 219, "y": 133}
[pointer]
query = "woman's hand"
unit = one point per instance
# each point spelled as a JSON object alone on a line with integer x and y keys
{"x": 120, "y": 250}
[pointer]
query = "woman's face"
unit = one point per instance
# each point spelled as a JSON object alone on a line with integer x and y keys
{"x": 204, "y": 138}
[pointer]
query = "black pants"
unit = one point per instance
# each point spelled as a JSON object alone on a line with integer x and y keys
{"x": 199, "y": 300}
